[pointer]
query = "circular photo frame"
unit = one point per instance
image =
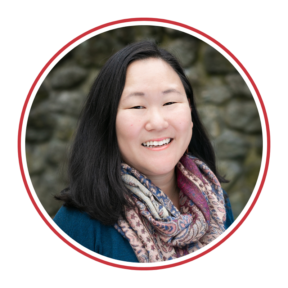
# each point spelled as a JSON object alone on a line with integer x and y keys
{"x": 168, "y": 23}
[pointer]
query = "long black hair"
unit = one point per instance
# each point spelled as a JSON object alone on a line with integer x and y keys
{"x": 95, "y": 184}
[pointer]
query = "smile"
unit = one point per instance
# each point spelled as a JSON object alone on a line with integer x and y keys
{"x": 151, "y": 144}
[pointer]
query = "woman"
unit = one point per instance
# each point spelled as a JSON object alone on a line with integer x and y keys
{"x": 143, "y": 180}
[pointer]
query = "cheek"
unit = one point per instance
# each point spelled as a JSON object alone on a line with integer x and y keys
{"x": 127, "y": 128}
{"x": 184, "y": 121}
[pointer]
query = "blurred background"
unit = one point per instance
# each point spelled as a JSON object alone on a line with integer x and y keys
{"x": 224, "y": 102}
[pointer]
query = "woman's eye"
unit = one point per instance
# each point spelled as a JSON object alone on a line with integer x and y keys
{"x": 137, "y": 107}
{"x": 142, "y": 107}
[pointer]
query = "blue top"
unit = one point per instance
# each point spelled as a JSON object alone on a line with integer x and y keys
{"x": 102, "y": 239}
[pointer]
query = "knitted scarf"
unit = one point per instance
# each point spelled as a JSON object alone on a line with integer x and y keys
{"x": 156, "y": 229}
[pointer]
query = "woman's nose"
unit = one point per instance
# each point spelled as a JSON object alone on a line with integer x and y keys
{"x": 156, "y": 121}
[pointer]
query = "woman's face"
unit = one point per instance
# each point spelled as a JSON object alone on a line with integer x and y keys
{"x": 153, "y": 123}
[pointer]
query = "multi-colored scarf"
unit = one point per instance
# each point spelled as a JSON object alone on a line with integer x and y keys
{"x": 156, "y": 229}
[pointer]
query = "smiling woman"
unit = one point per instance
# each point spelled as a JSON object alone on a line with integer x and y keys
{"x": 141, "y": 187}
{"x": 154, "y": 125}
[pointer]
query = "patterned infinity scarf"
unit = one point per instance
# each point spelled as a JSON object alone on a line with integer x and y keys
{"x": 156, "y": 229}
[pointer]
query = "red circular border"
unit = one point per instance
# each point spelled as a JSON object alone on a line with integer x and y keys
{"x": 126, "y": 21}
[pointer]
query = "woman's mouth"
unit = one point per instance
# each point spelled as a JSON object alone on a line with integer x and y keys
{"x": 155, "y": 144}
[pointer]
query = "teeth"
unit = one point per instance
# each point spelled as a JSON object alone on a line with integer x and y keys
{"x": 156, "y": 143}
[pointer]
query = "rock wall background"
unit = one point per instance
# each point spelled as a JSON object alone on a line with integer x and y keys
{"x": 224, "y": 101}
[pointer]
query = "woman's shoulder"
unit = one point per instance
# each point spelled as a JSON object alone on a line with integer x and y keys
{"x": 79, "y": 226}
{"x": 71, "y": 219}
{"x": 94, "y": 235}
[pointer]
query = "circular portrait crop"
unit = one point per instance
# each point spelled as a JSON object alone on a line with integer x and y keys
{"x": 143, "y": 144}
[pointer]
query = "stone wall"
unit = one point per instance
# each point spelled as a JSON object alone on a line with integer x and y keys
{"x": 224, "y": 101}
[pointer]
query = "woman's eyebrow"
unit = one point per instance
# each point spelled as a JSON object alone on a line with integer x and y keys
{"x": 135, "y": 94}
{"x": 171, "y": 91}
{"x": 142, "y": 94}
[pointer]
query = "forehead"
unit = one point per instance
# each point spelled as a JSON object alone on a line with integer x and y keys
{"x": 151, "y": 72}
